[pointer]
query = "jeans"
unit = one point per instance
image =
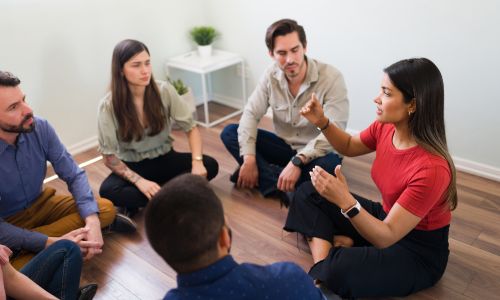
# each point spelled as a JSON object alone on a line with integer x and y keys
{"x": 272, "y": 156}
{"x": 57, "y": 269}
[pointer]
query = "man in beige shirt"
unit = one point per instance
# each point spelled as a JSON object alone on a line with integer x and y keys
{"x": 278, "y": 162}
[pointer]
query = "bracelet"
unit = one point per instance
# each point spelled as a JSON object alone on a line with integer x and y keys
{"x": 324, "y": 127}
{"x": 198, "y": 158}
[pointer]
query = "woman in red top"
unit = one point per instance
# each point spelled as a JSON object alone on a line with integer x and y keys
{"x": 363, "y": 248}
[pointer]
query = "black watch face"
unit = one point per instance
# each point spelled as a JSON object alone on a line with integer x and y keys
{"x": 353, "y": 212}
{"x": 296, "y": 161}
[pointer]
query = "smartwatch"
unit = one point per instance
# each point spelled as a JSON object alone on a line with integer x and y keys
{"x": 296, "y": 161}
{"x": 352, "y": 211}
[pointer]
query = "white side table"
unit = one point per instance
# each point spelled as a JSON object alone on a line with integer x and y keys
{"x": 191, "y": 62}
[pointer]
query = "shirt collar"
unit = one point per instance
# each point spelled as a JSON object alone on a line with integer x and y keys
{"x": 3, "y": 146}
{"x": 209, "y": 274}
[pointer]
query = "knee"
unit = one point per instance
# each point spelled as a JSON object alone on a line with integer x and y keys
{"x": 69, "y": 247}
{"x": 106, "y": 189}
{"x": 107, "y": 212}
{"x": 229, "y": 134}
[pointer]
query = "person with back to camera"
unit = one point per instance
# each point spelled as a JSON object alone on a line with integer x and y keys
{"x": 185, "y": 225}
{"x": 366, "y": 249}
{"x": 134, "y": 124}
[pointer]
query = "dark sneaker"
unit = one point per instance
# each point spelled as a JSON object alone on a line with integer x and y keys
{"x": 122, "y": 224}
{"x": 129, "y": 212}
{"x": 284, "y": 198}
{"x": 234, "y": 177}
{"x": 87, "y": 292}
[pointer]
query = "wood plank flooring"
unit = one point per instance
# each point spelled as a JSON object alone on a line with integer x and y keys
{"x": 129, "y": 269}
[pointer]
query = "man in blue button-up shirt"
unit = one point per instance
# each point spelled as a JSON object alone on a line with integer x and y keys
{"x": 32, "y": 218}
{"x": 185, "y": 225}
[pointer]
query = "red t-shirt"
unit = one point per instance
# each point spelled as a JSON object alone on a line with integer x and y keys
{"x": 414, "y": 178}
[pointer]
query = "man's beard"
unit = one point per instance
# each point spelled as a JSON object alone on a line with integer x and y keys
{"x": 19, "y": 128}
{"x": 294, "y": 74}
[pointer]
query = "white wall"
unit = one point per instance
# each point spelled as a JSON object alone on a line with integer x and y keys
{"x": 364, "y": 36}
{"x": 61, "y": 50}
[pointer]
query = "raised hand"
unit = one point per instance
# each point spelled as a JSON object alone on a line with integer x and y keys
{"x": 313, "y": 112}
{"x": 333, "y": 189}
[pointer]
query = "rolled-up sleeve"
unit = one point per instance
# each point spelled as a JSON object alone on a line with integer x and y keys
{"x": 179, "y": 109}
{"x": 106, "y": 129}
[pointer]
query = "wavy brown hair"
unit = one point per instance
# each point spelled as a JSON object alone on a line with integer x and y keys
{"x": 284, "y": 27}
{"x": 129, "y": 126}
{"x": 420, "y": 79}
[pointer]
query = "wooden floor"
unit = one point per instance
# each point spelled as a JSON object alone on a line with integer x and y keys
{"x": 129, "y": 269}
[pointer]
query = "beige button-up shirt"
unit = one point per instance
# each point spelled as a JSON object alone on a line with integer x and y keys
{"x": 272, "y": 91}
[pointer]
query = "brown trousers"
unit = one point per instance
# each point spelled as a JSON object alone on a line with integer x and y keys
{"x": 55, "y": 215}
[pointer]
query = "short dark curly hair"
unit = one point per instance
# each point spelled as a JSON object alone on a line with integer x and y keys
{"x": 184, "y": 221}
{"x": 8, "y": 79}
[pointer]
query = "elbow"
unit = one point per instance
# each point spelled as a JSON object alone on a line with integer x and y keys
{"x": 383, "y": 244}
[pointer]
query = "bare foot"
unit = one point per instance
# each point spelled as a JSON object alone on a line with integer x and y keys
{"x": 342, "y": 241}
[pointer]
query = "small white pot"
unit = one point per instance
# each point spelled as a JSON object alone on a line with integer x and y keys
{"x": 205, "y": 51}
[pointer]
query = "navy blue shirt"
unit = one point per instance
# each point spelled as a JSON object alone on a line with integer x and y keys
{"x": 226, "y": 279}
{"x": 22, "y": 171}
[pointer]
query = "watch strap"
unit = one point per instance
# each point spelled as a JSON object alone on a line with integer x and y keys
{"x": 352, "y": 211}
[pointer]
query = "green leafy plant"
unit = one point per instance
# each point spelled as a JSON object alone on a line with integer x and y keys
{"x": 179, "y": 86}
{"x": 203, "y": 35}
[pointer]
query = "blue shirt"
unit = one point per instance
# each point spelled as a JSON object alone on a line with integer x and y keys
{"x": 22, "y": 171}
{"x": 225, "y": 279}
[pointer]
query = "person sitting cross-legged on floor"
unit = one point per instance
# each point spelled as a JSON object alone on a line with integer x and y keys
{"x": 185, "y": 224}
{"x": 33, "y": 217}
{"x": 278, "y": 162}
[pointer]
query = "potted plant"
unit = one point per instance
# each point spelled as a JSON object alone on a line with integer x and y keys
{"x": 204, "y": 36}
{"x": 186, "y": 94}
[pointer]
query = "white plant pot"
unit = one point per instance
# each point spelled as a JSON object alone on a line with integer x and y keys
{"x": 205, "y": 51}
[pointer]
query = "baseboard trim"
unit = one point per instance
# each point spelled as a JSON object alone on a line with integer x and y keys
{"x": 83, "y": 146}
{"x": 477, "y": 168}
{"x": 228, "y": 101}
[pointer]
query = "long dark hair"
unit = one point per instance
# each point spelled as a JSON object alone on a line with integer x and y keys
{"x": 129, "y": 126}
{"x": 420, "y": 79}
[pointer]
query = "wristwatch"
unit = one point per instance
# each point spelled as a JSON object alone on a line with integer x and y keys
{"x": 352, "y": 211}
{"x": 296, "y": 161}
